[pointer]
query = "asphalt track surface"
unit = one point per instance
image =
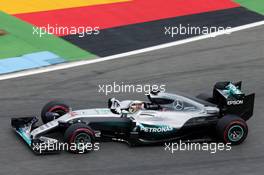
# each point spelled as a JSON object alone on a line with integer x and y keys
{"x": 191, "y": 68}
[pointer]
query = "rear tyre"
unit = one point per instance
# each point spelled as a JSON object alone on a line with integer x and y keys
{"x": 232, "y": 129}
{"x": 56, "y": 107}
{"x": 80, "y": 138}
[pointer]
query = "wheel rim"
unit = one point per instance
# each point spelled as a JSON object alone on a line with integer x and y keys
{"x": 235, "y": 133}
{"x": 82, "y": 139}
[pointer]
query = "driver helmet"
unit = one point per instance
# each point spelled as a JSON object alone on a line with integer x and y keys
{"x": 135, "y": 106}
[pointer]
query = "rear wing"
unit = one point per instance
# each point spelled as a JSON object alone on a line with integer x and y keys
{"x": 231, "y": 100}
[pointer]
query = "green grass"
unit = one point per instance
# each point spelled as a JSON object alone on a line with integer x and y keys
{"x": 20, "y": 40}
{"x": 254, "y": 5}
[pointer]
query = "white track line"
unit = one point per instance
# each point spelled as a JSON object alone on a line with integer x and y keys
{"x": 85, "y": 62}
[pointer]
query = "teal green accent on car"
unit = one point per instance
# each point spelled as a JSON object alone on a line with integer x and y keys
{"x": 239, "y": 136}
{"x": 24, "y": 136}
{"x": 233, "y": 90}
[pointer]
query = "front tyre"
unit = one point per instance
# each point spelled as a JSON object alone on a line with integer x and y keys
{"x": 57, "y": 107}
{"x": 232, "y": 129}
{"x": 80, "y": 138}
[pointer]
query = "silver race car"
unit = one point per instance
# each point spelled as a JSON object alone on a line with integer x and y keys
{"x": 165, "y": 117}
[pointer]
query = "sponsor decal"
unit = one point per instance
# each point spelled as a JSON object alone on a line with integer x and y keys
{"x": 97, "y": 133}
{"x": 156, "y": 129}
{"x": 72, "y": 114}
{"x": 235, "y": 102}
{"x": 103, "y": 111}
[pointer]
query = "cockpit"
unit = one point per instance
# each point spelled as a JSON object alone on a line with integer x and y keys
{"x": 158, "y": 101}
{"x": 174, "y": 102}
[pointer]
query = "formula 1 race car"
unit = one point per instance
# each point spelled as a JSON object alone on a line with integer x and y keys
{"x": 165, "y": 117}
